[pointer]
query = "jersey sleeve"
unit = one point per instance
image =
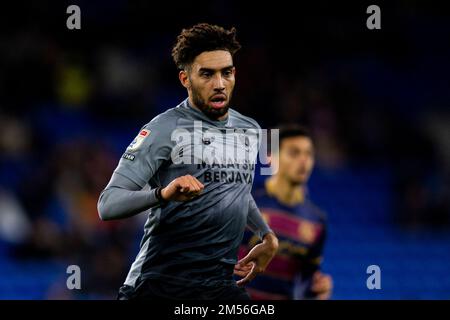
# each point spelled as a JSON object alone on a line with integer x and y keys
{"x": 122, "y": 198}
{"x": 316, "y": 252}
{"x": 255, "y": 221}
{"x": 145, "y": 154}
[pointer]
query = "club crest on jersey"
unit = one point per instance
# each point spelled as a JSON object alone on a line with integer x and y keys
{"x": 206, "y": 141}
{"x": 306, "y": 232}
{"x": 136, "y": 143}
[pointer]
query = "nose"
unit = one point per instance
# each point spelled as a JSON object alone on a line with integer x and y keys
{"x": 219, "y": 83}
{"x": 302, "y": 161}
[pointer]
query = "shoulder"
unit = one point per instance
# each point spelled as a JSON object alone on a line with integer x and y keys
{"x": 244, "y": 121}
{"x": 164, "y": 124}
{"x": 157, "y": 132}
{"x": 167, "y": 119}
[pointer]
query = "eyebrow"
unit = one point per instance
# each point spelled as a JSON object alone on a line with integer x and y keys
{"x": 212, "y": 70}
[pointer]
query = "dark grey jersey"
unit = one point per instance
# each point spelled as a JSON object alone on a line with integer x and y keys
{"x": 193, "y": 242}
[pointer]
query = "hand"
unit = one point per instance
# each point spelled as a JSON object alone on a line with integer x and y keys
{"x": 182, "y": 189}
{"x": 257, "y": 259}
{"x": 322, "y": 285}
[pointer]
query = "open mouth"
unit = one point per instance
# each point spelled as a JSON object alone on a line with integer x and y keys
{"x": 218, "y": 101}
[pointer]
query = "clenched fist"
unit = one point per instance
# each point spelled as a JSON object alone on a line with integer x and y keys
{"x": 182, "y": 189}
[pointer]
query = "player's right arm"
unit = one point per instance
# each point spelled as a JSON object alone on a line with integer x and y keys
{"x": 123, "y": 196}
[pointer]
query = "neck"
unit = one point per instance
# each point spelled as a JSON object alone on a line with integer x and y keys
{"x": 285, "y": 191}
{"x": 221, "y": 118}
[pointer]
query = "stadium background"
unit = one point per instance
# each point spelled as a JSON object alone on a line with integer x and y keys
{"x": 377, "y": 103}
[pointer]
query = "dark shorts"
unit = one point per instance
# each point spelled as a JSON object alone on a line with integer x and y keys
{"x": 152, "y": 289}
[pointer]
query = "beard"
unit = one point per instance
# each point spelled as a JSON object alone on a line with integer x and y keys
{"x": 210, "y": 112}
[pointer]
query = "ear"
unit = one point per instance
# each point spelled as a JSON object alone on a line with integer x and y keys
{"x": 184, "y": 79}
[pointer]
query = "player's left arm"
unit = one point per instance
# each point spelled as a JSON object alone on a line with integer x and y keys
{"x": 257, "y": 260}
{"x": 255, "y": 221}
{"x": 259, "y": 257}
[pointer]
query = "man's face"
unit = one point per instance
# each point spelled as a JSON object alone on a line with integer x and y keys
{"x": 296, "y": 159}
{"x": 210, "y": 82}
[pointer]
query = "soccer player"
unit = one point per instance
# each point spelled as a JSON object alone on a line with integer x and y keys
{"x": 197, "y": 212}
{"x": 294, "y": 273}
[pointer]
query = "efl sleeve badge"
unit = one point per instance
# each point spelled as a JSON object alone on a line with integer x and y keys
{"x": 137, "y": 142}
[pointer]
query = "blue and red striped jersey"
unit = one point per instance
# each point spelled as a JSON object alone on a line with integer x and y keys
{"x": 301, "y": 230}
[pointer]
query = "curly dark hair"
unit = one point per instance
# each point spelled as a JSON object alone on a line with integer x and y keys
{"x": 200, "y": 38}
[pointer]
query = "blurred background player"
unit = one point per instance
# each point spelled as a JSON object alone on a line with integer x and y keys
{"x": 294, "y": 273}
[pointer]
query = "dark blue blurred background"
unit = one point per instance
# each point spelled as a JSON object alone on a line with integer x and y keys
{"x": 377, "y": 102}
